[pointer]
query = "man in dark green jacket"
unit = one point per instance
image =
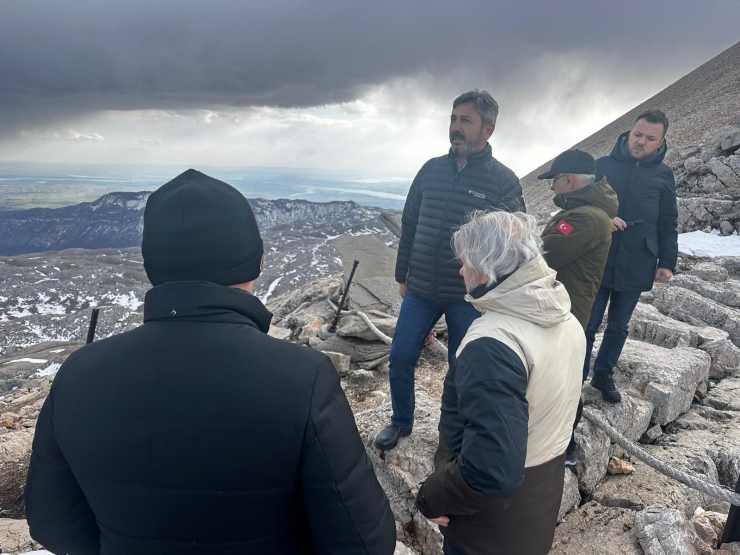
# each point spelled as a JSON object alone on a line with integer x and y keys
{"x": 577, "y": 239}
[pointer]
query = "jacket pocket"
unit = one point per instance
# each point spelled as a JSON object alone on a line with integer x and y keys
{"x": 652, "y": 245}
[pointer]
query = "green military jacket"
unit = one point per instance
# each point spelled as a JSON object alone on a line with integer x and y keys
{"x": 577, "y": 240}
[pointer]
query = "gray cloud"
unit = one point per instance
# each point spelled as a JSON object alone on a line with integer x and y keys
{"x": 66, "y": 59}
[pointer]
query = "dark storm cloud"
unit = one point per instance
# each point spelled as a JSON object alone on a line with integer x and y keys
{"x": 61, "y": 60}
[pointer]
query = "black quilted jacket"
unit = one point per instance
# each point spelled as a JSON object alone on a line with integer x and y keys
{"x": 437, "y": 204}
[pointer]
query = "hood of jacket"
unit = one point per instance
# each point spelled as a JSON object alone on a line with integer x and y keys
{"x": 531, "y": 293}
{"x": 623, "y": 156}
{"x": 599, "y": 194}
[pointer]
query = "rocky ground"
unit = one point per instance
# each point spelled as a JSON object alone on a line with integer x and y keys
{"x": 679, "y": 376}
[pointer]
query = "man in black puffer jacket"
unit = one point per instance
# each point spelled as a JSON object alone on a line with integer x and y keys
{"x": 644, "y": 240}
{"x": 445, "y": 191}
{"x": 197, "y": 433}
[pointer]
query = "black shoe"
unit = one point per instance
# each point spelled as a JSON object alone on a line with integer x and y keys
{"x": 389, "y": 436}
{"x": 570, "y": 455}
{"x": 609, "y": 391}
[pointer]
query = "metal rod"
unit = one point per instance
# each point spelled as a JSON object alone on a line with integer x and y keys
{"x": 333, "y": 326}
{"x": 93, "y": 325}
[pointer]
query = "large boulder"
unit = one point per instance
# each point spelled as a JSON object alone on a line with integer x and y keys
{"x": 645, "y": 487}
{"x": 668, "y": 378}
{"x": 725, "y": 293}
{"x": 14, "y": 536}
{"x": 631, "y": 418}
{"x": 648, "y": 324}
{"x": 373, "y": 286}
{"x": 571, "y": 495}
{"x": 392, "y": 220}
{"x": 688, "y": 306}
{"x": 664, "y": 531}
{"x": 402, "y": 469}
{"x": 594, "y": 528}
{"x": 709, "y": 271}
{"x": 354, "y": 326}
{"x": 592, "y": 455}
{"x": 725, "y": 396}
{"x": 359, "y": 350}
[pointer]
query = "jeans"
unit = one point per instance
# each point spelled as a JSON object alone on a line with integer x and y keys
{"x": 417, "y": 318}
{"x": 621, "y": 307}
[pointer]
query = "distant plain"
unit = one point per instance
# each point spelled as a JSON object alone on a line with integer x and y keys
{"x": 27, "y": 185}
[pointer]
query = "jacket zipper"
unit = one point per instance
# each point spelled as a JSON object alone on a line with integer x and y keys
{"x": 441, "y": 232}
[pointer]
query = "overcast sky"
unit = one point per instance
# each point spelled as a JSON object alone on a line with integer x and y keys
{"x": 331, "y": 84}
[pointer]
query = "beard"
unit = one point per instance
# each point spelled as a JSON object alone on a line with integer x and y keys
{"x": 469, "y": 144}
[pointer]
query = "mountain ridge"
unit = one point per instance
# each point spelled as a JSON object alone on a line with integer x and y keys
{"x": 706, "y": 98}
{"x": 115, "y": 220}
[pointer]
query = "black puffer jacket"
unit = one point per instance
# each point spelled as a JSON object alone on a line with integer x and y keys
{"x": 647, "y": 193}
{"x": 437, "y": 204}
{"x": 197, "y": 433}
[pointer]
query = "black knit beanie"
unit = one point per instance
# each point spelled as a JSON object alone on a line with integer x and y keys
{"x": 197, "y": 228}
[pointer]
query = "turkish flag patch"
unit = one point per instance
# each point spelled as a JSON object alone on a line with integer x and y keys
{"x": 564, "y": 227}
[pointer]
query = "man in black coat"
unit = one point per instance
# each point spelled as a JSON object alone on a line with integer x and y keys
{"x": 445, "y": 191}
{"x": 197, "y": 433}
{"x": 644, "y": 240}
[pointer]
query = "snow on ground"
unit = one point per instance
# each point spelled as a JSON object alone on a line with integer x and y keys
{"x": 698, "y": 243}
{"x": 31, "y": 360}
{"x": 48, "y": 371}
{"x": 126, "y": 300}
{"x": 270, "y": 290}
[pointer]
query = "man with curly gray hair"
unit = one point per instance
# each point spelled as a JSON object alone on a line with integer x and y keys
{"x": 509, "y": 399}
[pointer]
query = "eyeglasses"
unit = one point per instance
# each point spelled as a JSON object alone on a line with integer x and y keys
{"x": 555, "y": 179}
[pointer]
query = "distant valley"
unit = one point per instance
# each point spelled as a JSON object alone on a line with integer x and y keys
{"x": 48, "y": 291}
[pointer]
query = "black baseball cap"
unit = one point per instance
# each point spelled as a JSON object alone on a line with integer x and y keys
{"x": 571, "y": 161}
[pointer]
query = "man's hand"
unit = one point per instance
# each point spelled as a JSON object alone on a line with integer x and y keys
{"x": 663, "y": 275}
{"x": 618, "y": 224}
{"x": 402, "y": 289}
{"x": 440, "y": 521}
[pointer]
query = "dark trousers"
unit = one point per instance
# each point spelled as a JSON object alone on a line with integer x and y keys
{"x": 448, "y": 548}
{"x": 621, "y": 306}
{"x": 732, "y": 528}
{"x": 579, "y": 414}
{"x": 415, "y": 322}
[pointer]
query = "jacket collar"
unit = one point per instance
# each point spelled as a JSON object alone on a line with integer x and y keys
{"x": 623, "y": 156}
{"x": 531, "y": 293}
{"x": 481, "y": 290}
{"x": 476, "y": 157}
{"x": 201, "y": 301}
{"x": 599, "y": 194}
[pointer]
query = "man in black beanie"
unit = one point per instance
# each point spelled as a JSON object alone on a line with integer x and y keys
{"x": 197, "y": 433}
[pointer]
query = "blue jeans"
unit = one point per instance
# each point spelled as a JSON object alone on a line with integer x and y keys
{"x": 621, "y": 307}
{"x": 417, "y": 318}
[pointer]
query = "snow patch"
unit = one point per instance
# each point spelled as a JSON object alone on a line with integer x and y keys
{"x": 698, "y": 243}
{"x": 31, "y": 360}
{"x": 270, "y": 289}
{"x": 127, "y": 300}
{"x": 48, "y": 371}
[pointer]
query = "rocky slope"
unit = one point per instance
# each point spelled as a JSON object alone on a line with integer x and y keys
{"x": 679, "y": 376}
{"x": 115, "y": 221}
{"x": 697, "y": 105}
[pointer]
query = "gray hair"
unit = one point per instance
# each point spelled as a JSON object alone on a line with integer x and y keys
{"x": 585, "y": 179}
{"x": 496, "y": 244}
{"x": 484, "y": 103}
